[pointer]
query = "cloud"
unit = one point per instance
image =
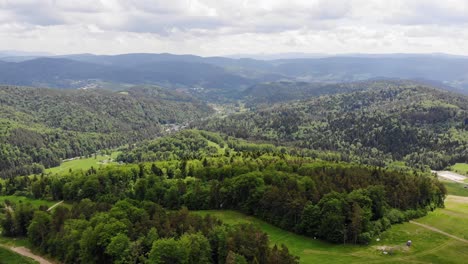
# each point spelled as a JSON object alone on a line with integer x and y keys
{"x": 216, "y": 27}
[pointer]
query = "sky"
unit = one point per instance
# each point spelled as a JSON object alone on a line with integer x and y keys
{"x": 222, "y": 27}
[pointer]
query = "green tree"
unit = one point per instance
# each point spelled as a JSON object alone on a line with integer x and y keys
{"x": 198, "y": 247}
{"x": 168, "y": 251}
{"x": 233, "y": 258}
{"x": 8, "y": 225}
{"x": 281, "y": 256}
{"x": 119, "y": 249}
{"x": 39, "y": 229}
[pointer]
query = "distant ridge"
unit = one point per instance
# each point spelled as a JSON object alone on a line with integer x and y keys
{"x": 230, "y": 74}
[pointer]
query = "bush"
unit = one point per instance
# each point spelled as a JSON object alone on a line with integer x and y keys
{"x": 395, "y": 216}
{"x": 364, "y": 238}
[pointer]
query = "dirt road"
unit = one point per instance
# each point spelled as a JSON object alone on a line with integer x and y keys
{"x": 53, "y": 206}
{"x": 451, "y": 176}
{"x": 27, "y": 253}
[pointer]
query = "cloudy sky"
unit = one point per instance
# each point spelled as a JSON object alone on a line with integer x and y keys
{"x": 220, "y": 27}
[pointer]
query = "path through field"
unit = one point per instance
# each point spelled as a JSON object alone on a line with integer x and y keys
{"x": 439, "y": 231}
{"x": 53, "y": 206}
{"x": 27, "y": 253}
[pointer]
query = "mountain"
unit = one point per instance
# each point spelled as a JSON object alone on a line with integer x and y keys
{"x": 447, "y": 70}
{"x": 18, "y": 56}
{"x": 229, "y": 77}
{"x": 40, "y": 127}
{"x": 450, "y": 70}
{"x": 393, "y": 121}
{"x": 282, "y": 91}
{"x": 66, "y": 73}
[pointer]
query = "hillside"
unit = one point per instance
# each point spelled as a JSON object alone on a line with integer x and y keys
{"x": 68, "y": 73}
{"x": 335, "y": 201}
{"x": 398, "y": 121}
{"x": 44, "y": 126}
{"x": 282, "y": 91}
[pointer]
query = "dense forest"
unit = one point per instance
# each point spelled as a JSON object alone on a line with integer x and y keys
{"x": 275, "y": 92}
{"x": 343, "y": 166}
{"x": 131, "y": 231}
{"x": 40, "y": 127}
{"x": 393, "y": 121}
{"x": 335, "y": 201}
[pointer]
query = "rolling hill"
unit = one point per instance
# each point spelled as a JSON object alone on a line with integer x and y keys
{"x": 221, "y": 74}
{"x": 40, "y": 127}
{"x": 393, "y": 121}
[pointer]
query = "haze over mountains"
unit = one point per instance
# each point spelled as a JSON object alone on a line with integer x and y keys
{"x": 190, "y": 71}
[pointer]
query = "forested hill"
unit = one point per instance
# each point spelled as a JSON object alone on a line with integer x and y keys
{"x": 139, "y": 212}
{"x": 43, "y": 126}
{"x": 275, "y": 92}
{"x": 420, "y": 125}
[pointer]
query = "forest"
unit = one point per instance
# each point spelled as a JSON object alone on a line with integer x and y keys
{"x": 342, "y": 166}
{"x": 139, "y": 211}
{"x": 41, "y": 127}
{"x": 388, "y": 122}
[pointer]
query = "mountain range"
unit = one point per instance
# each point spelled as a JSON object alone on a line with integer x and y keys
{"x": 227, "y": 74}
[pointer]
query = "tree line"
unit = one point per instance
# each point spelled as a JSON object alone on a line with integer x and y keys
{"x": 131, "y": 231}
{"x": 335, "y": 201}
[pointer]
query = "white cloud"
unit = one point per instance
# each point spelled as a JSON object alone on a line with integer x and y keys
{"x": 217, "y": 27}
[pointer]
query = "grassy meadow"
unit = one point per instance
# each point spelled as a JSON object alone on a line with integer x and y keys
{"x": 461, "y": 168}
{"x": 455, "y": 188}
{"x": 84, "y": 163}
{"x": 21, "y": 199}
{"x": 428, "y": 246}
{"x": 9, "y": 257}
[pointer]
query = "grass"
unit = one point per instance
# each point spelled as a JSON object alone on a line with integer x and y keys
{"x": 18, "y": 199}
{"x": 9, "y": 257}
{"x": 84, "y": 163}
{"x": 455, "y": 188}
{"x": 428, "y": 246}
{"x": 452, "y": 219}
{"x": 15, "y": 241}
{"x": 461, "y": 168}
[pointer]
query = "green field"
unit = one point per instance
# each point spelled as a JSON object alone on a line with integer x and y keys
{"x": 455, "y": 188}
{"x": 461, "y": 168}
{"x": 452, "y": 219}
{"x": 428, "y": 246}
{"x": 84, "y": 163}
{"x": 9, "y": 257}
{"x": 17, "y": 199}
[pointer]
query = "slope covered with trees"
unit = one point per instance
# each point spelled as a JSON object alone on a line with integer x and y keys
{"x": 279, "y": 185}
{"x": 396, "y": 121}
{"x": 40, "y": 127}
{"x": 275, "y": 92}
{"x": 131, "y": 231}
{"x": 119, "y": 211}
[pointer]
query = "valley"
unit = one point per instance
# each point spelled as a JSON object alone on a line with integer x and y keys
{"x": 233, "y": 132}
{"x": 270, "y": 171}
